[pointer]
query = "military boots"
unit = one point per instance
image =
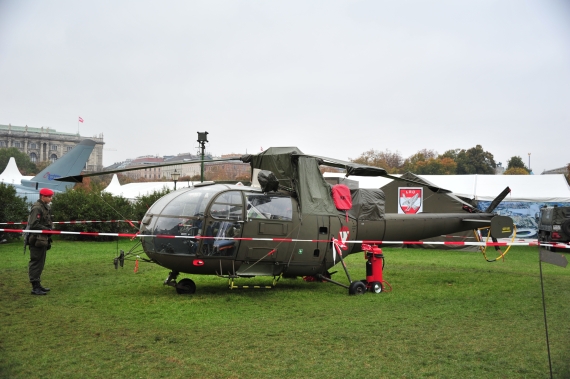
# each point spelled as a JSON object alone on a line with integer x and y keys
{"x": 37, "y": 289}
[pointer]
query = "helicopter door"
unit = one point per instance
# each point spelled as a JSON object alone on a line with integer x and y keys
{"x": 223, "y": 225}
{"x": 267, "y": 216}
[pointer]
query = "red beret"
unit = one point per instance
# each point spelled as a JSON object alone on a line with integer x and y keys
{"x": 46, "y": 192}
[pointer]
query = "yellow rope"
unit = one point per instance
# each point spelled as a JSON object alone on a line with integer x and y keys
{"x": 484, "y": 248}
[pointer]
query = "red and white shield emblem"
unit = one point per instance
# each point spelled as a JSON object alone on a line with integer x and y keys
{"x": 410, "y": 200}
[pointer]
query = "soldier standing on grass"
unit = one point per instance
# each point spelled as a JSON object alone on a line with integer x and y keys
{"x": 39, "y": 219}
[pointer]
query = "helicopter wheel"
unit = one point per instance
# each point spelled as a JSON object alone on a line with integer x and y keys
{"x": 186, "y": 287}
{"x": 356, "y": 288}
{"x": 376, "y": 287}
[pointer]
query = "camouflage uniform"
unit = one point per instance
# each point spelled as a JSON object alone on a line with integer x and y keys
{"x": 40, "y": 219}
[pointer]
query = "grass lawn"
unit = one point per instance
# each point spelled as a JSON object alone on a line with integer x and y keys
{"x": 450, "y": 315}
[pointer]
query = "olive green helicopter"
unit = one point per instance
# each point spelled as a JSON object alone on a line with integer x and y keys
{"x": 286, "y": 224}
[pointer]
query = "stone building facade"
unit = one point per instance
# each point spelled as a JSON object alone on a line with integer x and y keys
{"x": 183, "y": 166}
{"x": 146, "y": 174}
{"x": 186, "y": 170}
{"x": 230, "y": 170}
{"x": 47, "y": 144}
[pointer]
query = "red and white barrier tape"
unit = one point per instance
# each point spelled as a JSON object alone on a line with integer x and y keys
{"x": 369, "y": 242}
{"x": 71, "y": 222}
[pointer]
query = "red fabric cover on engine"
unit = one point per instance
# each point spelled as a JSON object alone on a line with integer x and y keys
{"x": 341, "y": 197}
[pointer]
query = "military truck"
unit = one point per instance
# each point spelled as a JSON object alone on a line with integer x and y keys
{"x": 554, "y": 226}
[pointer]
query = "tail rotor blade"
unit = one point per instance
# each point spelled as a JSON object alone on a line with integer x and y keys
{"x": 498, "y": 200}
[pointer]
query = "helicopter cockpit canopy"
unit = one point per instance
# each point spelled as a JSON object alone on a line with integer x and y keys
{"x": 214, "y": 214}
{"x": 178, "y": 213}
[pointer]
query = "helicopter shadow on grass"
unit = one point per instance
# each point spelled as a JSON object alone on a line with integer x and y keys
{"x": 219, "y": 288}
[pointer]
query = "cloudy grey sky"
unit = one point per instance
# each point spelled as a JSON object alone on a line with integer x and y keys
{"x": 334, "y": 78}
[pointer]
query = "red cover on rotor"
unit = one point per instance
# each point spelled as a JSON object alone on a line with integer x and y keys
{"x": 341, "y": 197}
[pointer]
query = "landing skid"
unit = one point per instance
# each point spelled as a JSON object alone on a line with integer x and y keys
{"x": 232, "y": 286}
{"x": 187, "y": 286}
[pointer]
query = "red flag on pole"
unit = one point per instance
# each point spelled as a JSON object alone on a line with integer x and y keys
{"x": 80, "y": 119}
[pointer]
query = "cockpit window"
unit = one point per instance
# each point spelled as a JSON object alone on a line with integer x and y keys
{"x": 228, "y": 206}
{"x": 223, "y": 244}
{"x": 272, "y": 207}
{"x": 190, "y": 203}
{"x": 177, "y": 226}
{"x": 160, "y": 203}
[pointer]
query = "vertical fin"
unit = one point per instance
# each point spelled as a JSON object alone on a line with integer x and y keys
{"x": 72, "y": 163}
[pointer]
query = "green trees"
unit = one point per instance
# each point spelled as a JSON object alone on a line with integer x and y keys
{"x": 12, "y": 209}
{"x": 515, "y": 166}
{"x": 516, "y": 171}
{"x": 435, "y": 166}
{"x": 391, "y": 162}
{"x": 143, "y": 203}
{"x": 459, "y": 161}
{"x": 428, "y": 162}
{"x": 26, "y": 166}
{"x": 84, "y": 203}
{"x": 90, "y": 204}
{"x": 81, "y": 204}
{"x": 516, "y": 161}
{"x": 472, "y": 161}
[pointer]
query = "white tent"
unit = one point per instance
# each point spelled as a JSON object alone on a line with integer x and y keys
{"x": 11, "y": 174}
{"x": 535, "y": 188}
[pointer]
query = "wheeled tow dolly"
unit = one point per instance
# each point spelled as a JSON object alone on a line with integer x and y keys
{"x": 374, "y": 265}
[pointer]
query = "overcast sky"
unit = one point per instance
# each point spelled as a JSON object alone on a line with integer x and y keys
{"x": 334, "y": 78}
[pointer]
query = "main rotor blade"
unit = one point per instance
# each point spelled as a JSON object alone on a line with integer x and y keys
{"x": 357, "y": 169}
{"x": 351, "y": 168}
{"x": 79, "y": 178}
